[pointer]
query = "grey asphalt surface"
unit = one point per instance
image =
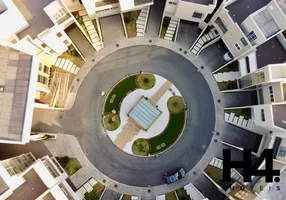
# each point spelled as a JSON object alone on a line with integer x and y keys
{"x": 84, "y": 120}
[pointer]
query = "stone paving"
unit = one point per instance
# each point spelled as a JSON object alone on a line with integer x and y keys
{"x": 160, "y": 93}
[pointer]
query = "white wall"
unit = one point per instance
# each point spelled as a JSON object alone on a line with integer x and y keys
{"x": 185, "y": 11}
{"x": 170, "y": 9}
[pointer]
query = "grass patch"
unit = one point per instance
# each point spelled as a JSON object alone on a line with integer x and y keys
{"x": 141, "y": 147}
{"x": 118, "y": 93}
{"x": 130, "y": 22}
{"x": 96, "y": 193}
{"x": 111, "y": 121}
{"x": 71, "y": 165}
{"x": 182, "y": 194}
{"x": 146, "y": 81}
{"x": 169, "y": 135}
{"x": 216, "y": 174}
{"x": 166, "y": 22}
{"x": 245, "y": 112}
{"x": 176, "y": 105}
{"x": 229, "y": 85}
{"x": 232, "y": 67}
{"x": 126, "y": 197}
{"x": 171, "y": 196}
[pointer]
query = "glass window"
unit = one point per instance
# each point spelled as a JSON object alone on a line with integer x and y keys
{"x": 44, "y": 45}
{"x": 251, "y": 36}
{"x": 198, "y": 15}
{"x": 282, "y": 152}
{"x": 46, "y": 69}
{"x": 59, "y": 35}
{"x": 42, "y": 79}
{"x": 243, "y": 41}
{"x": 262, "y": 115}
{"x": 237, "y": 46}
{"x": 221, "y": 25}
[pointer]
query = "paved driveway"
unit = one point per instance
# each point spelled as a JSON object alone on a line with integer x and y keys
{"x": 84, "y": 120}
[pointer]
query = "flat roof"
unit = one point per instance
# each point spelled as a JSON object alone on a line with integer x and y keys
{"x": 48, "y": 196}
{"x": 15, "y": 70}
{"x": 35, "y": 15}
{"x": 270, "y": 52}
{"x": 203, "y": 2}
{"x": 144, "y": 113}
{"x": 3, "y": 7}
{"x": 241, "y": 9}
{"x": 32, "y": 188}
{"x": 279, "y": 116}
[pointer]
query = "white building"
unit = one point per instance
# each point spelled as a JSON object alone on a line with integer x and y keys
{"x": 24, "y": 177}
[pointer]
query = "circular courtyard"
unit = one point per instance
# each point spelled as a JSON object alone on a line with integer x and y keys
{"x": 144, "y": 114}
{"x": 90, "y": 105}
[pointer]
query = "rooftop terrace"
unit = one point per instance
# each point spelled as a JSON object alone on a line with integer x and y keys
{"x": 271, "y": 52}
{"x": 14, "y": 83}
{"x": 35, "y": 15}
{"x": 203, "y": 2}
{"x": 241, "y": 9}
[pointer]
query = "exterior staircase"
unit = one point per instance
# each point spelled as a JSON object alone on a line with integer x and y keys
{"x": 193, "y": 192}
{"x": 238, "y": 120}
{"x": 171, "y": 30}
{"x": 141, "y": 22}
{"x": 206, "y": 38}
{"x": 66, "y": 65}
{"x": 93, "y": 34}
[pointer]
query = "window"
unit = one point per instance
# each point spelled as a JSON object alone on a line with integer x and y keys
{"x": 271, "y": 93}
{"x": 52, "y": 51}
{"x": 282, "y": 152}
{"x": 46, "y": 69}
{"x": 44, "y": 45}
{"x": 42, "y": 79}
{"x": 198, "y": 15}
{"x": 172, "y": 3}
{"x": 251, "y": 36}
{"x": 221, "y": 25}
{"x": 262, "y": 115}
{"x": 243, "y": 41}
{"x": 66, "y": 42}
{"x": 59, "y": 35}
{"x": 237, "y": 46}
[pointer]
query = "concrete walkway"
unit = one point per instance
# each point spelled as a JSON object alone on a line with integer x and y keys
{"x": 160, "y": 93}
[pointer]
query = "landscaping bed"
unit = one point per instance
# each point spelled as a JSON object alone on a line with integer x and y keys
{"x": 229, "y": 85}
{"x": 245, "y": 112}
{"x": 171, "y": 196}
{"x": 182, "y": 194}
{"x": 80, "y": 21}
{"x": 111, "y": 121}
{"x": 141, "y": 147}
{"x": 96, "y": 193}
{"x": 126, "y": 197}
{"x": 176, "y": 104}
{"x": 119, "y": 92}
{"x": 72, "y": 55}
{"x": 232, "y": 67}
{"x": 146, "y": 81}
{"x": 70, "y": 165}
{"x": 166, "y": 22}
{"x": 130, "y": 22}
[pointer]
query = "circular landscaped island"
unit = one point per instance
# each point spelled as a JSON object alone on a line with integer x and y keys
{"x": 144, "y": 114}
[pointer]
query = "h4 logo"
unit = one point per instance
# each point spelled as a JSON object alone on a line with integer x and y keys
{"x": 246, "y": 164}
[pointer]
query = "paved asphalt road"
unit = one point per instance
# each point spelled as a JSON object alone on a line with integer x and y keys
{"x": 84, "y": 120}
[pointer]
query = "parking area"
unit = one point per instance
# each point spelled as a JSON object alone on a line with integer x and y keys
{"x": 187, "y": 33}
{"x": 112, "y": 29}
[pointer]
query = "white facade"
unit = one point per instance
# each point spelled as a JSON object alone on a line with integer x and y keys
{"x": 48, "y": 170}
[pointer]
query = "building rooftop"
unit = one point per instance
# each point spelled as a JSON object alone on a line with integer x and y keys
{"x": 3, "y": 186}
{"x": 3, "y": 7}
{"x": 203, "y": 2}
{"x": 15, "y": 70}
{"x": 32, "y": 188}
{"x": 48, "y": 196}
{"x": 35, "y": 15}
{"x": 278, "y": 53}
{"x": 241, "y": 9}
{"x": 279, "y": 115}
{"x": 144, "y": 113}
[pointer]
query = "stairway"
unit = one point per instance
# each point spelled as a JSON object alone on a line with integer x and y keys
{"x": 212, "y": 34}
{"x": 193, "y": 192}
{"x": 142, "y": 21}
{"x": 171, "y": 30}
{"x": 238, "y": 120}
{"x": 93, "y": 34}
{"x": 66, "y": 65}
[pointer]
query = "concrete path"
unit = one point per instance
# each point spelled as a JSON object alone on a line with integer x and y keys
{"x": 187, "y": 34}
{"x": 155, "y": 18}
{"x": 160, "y": 93}
{"x": 112, "y": 29}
